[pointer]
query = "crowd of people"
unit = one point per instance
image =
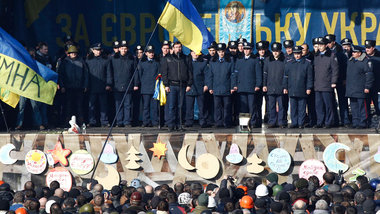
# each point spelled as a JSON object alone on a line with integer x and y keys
{"x": 330, "y": 86}
{"x": 332, "y": 195}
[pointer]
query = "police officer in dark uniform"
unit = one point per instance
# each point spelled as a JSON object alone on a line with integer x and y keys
{"x": 100, "y": 82}
{"x": 374, "y": 55}
{"x": 123, "y": 66}
{"x": 211, "y": 51}
{"x": 234, "y": 54}
{"x": 288, "y": 45}
{"x": 346, "y": 45}
{"x": 249, "y": 81}
{"x": 115, "y": 47}
{"x": 220, "y": 83}
{"x": 262, "y": 53}
{"x": 240, "y": 46}
{"x": 177, "y": 78}
{"x": 136, "y": 93}
{"x": 232, "y": 50}
{"x": 315, "y": 45}
{"x": 360, "y": 80}
{"x": 208, "y": 98}
{"x": 197, "y": 91}
{"x": 340, "y": 87}
{"x": 274, "y": 67}
{"x": 145, "y": 81}
{"x": 298, "y": 82}
{"x": 326, "y": 72}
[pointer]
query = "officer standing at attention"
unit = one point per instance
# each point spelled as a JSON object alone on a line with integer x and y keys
{"x": 326, "y": 72}
{"x": 360, "y": 80}
{"x": 115, "y": 47}
{"x": 136, "y": 94}
{"x": 197, "y": 91}
{"x": 262, "y": 53}
{"x": 100, "y": 82}
{"x": 274, "y": 67}
{"x": 177, "y": 78}
{"x": 298, "y": 82}
{"x": 311, "y": 114}
{"x": 288, "y": 45}
{"x": 220, "y": 83}
{"x": 249, "y": 81}
{"x": 240, "y": 46}
{"x": 374, "y": 55}
{"x": 123, "y": 66}
{"x": 145, "y": 81}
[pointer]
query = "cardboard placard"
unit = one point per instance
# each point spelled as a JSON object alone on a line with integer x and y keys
{"x": 81, "y": 162}
{"x": 234, "y": 156}
{"x": 279, "y": 160}
{"x": 5, "y": 151}
{"x": 312, "y": 167}
{"x": 35, "y": 161}
{"x": 329, "y": 157}
{"x": 62, "y": 175}
{"x": 109, "y": 155}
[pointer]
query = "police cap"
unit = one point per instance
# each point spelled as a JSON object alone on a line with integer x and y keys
{"x": 346, "y": 41}
{"x": 276, "y": 46}
{"x": 369, "y": 43}
{"x": 97, "y": 46}
{"x": 297, "y": 49}
{"x": 322, "y": 41}
{"x": 261, "y": 45}
{"x": 213, "y": 45}
{"x": 123, "y": 43}
{"x": 330, "y": 38}
{"x": 116, "y": 44}
{"x": 288, "y": 43}
{"x": 315, "y": 41}
{"x": 166, "y": 42}
{"x": 247, "y": 45}
{"x": 356, "y": 48}
{"x": 150, "y": 48}
{"x": 221, "y": 46}
{"x": 232, "y": 44}
{"x": 139, "y": 47}
{"x": 241, "y": 40}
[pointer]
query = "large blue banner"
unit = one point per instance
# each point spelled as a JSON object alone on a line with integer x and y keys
{"x": 104, "y": 21}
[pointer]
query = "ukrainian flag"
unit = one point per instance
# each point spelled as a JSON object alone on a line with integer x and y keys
{"x": 22, "y": 75}
{"x": 159, "y": 91}
{"x": 182, "y": 20}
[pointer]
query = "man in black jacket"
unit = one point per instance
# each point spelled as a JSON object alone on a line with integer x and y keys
{"x": 326, "y": 72}
{"x": 100, "y": 82}
{"x": 73, "y": 81}
{"x": 374, "y": 55}
{"x": 177, "y": 78}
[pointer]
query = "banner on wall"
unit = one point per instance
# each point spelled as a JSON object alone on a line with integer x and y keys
{"x": 235, "y": 20}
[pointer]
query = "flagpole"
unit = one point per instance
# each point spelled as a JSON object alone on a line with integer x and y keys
{"x": 122, "y": 101}
{"x": 5, "y": 120}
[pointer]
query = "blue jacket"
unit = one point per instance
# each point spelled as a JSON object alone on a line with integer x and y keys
{"x": 221, "y": 77}
{"x": 298, "y": 77}
{"x": 326, "y": 71}
{"x": 273, "y": 75}
{"x": 359, "y": 76}
{"x": 200, "y": 68}
{"x": 146, "y": 76}
{"x": 248, "y": 74}
{"x": 100, "y": 73}
{"x": 122, "y": 69}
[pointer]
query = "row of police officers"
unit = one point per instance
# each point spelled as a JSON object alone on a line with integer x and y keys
{"x": 227, "y": 81}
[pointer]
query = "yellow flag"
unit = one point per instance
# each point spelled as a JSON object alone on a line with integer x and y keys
{"x": 9, "y": 98}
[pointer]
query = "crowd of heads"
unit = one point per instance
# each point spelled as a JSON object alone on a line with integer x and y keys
{"x": 333, "y": 195}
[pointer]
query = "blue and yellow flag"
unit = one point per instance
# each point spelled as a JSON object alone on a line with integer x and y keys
{"x": 182, "y": 20}
{"x": 22, "y": 75}
{"x": 159, "y": 91}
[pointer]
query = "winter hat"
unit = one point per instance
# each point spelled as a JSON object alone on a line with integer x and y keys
{"x": 272, "y": 177}
{"x": 203, "y": 199}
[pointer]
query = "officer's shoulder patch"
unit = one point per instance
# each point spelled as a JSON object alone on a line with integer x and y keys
{"x": 369, "y": 64}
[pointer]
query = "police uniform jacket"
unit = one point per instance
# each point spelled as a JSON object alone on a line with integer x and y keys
{"x": 122, "y": 69}
{"x": 176, "y": 70}
{"x": 248, "y": 74}
{"x": 359, "y": 76}
{"x": 147, "y": 70}
{"x": 73, "y": 73}
{"x": 326, "y": 71}
{"x": 375, "y": 59}
{"x": 273, "y": 74}
{"x": 99, "y": 73}
{"x": 200, "y": 69}
{"x": 221, "y": 77}
{"x": 298, "y": 77}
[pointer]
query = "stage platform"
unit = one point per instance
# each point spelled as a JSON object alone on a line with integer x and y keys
{"x": 363, "y": 146}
